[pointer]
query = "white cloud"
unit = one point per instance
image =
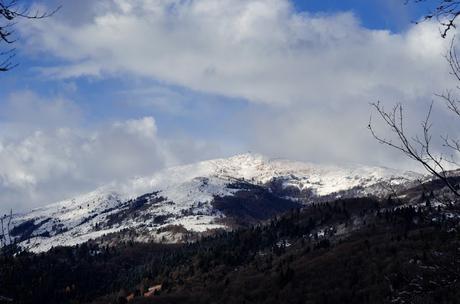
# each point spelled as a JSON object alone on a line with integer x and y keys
{"x": 28, "y": 109}
{"x": 261, "y": 50}
{"x": 51, "y": 159}
{"x": 145, "y": 127}
{"x": 308, "y": 79}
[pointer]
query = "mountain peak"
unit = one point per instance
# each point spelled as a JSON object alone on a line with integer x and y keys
{"x": 197, "y": 197}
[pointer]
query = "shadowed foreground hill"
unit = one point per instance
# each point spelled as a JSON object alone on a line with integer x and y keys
{"x": 353, "y": 251}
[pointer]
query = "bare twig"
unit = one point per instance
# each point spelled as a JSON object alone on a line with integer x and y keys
{"x": 3, "y": 236}
{"x": 445, "y": 12}
{"x": 416, "y": 148}
{"x": 8, "y": 227}
{"x": 9, "y": 11}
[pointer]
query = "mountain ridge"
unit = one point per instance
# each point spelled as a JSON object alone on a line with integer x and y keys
{"x": 184, "y": 199}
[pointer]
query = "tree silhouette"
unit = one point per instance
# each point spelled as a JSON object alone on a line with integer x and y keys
{"x": 445, "y": 12}
{"x": 10, "y": 11}
{"x": 420, "y": 147}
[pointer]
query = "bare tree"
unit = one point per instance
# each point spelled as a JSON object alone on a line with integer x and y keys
{"x": 420, "y": 147}
{"x": 445, "y": 12}
{"x": 8, "y": 244}
{"x": 10, "y": 11}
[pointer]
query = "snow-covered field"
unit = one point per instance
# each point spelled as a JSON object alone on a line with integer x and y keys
{"x": 183, "y": 196}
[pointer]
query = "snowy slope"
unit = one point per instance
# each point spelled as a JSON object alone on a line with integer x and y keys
{"x": 183, "y": 196}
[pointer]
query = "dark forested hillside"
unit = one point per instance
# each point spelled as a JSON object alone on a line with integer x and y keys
{"x": 345, "y": 251}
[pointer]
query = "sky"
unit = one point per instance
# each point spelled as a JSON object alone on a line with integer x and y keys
{"x": 112, "y": 89}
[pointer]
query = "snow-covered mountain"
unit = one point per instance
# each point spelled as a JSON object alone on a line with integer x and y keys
{"x": 180, "y": 202}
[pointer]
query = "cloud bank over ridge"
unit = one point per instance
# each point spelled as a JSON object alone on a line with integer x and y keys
{"x": 306, "y": 81}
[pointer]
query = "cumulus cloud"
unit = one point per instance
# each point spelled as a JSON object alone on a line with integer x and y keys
{"x": 260, "y": 50}
{"x": 310, "y": 67}
{"x": 307, "y": 78}
{"x": 51, "y": 159}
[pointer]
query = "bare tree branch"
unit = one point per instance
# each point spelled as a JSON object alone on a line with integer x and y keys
{"x": 9, "y": 11}
{"x": 417, "y": 148}
{"x": 8, "y": 243}
{"x": 445, "y": 12}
